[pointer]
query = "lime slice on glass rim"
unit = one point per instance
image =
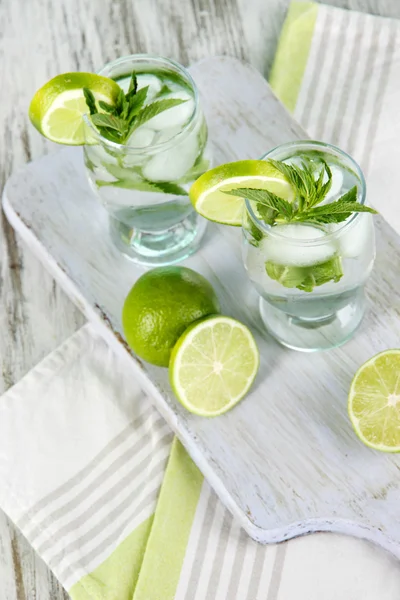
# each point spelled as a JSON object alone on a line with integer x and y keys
{"x": 374, "y": 402}
{"x": 210, "y": 201}
{"x": 213, "y": 365}
{"x": 57, "y": 108}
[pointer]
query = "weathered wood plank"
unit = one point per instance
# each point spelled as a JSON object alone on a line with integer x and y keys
{"x": 39, "y": 40}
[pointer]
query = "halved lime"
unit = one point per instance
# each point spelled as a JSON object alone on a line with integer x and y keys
{"x": 57, "y": 108}
{"x": 210, "y": 201}
{"x": 213, "y": 365}
{"x": 374, "y": 402}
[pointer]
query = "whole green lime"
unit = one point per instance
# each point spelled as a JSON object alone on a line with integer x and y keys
{"x": 160, "y": 306}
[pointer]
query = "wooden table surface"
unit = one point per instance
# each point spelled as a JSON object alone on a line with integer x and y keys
{"x": 39, "y": 39}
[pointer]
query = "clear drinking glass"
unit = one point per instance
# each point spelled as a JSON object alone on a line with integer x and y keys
{"x": 311, "y": 277}
{"x": 144, "y": 184}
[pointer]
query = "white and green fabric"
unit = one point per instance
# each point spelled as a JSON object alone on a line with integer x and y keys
{"x": 92, "y": 474}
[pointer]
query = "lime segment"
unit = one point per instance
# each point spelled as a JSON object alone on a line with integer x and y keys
{"x": 374, "y": 402}
{"x": 57, "y": 108}
{"x": 213, "y": 365}
{"x": 208, "y": 191}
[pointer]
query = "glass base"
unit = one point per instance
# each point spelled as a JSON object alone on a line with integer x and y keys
{"x": 163, "y": 247}
{"x": 311, "y": 335}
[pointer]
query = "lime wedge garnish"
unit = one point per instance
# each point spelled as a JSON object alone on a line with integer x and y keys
{"x": 213, "y": 365}
{"x": 210, "y": 201}
{"x": 57, "y": 108}
{"x": 374, "y": 402}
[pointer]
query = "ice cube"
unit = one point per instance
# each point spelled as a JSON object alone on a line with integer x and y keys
{"x": 255, "y": 265}
{"x": 124, "y": 83}
{"x": 101, "y": 174}
{"x": 288, "y": 248}
{"x": 172, "y": 164}
{"x": 153, "y": 82}
{"x": 134, "y": 159}
{"x": 294, "y": 160}
{"x": 175, "y": 116}
{"x": 167, "y": 134}
{"x": 99, "y": 156}
{"x": 354, "y": 240}
{"x": 143, "y": 79}
{"x": 141, "y": 137}
{"x": 115, "y": 198}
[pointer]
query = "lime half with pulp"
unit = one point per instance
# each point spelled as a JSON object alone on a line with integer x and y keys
{"x": 209, "y": 197}
{"x": 57, "y": 108}
{"x": 374, "y": 402}
{"x": 213, "y": 365}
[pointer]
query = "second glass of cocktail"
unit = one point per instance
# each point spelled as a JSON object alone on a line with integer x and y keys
{"x": 308, "y": 237}
{"x": 311, "y": 274}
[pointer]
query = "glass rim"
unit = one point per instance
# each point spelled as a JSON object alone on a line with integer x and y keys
{"x": 328, "y": 236}
{"x": 161, "y": 145}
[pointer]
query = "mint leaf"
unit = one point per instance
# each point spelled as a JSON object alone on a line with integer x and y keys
{"x": 88, "y": 162}
{"x": 133, "y": 173}
{"x": 109, "y": 121}
{"x": 125, "y": 109}
{"x": 110, "y": 134}
{"x": 336, "y": 212}
{"x": 265, "y": 214}
{"x": 131, "y": 180}
{"x": 130, "y": 184}
{"x": 120, "y": 101}
{"x": 90, "y": 100}
{"x": 323, "y": 188}
{"x": 255, "y": 233}
{"x": 350, "y": 196}
{"x": 317, "y": 275}
{"x": 288, "y": 276}
{"x": 306, "y": 278}
{"x": 164, "y": 90}
{"x": 151, "y": 110}
{"x": 136, "y": 102}
{"x": 171, "y": 188}
{"x": 266, "y": 198}
{"x": 132, "y": 87}
{"x": 109, "y": 108}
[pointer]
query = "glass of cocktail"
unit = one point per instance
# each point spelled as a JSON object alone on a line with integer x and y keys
{"x": 310, "y": 273}
{"x": 143, "y": 183}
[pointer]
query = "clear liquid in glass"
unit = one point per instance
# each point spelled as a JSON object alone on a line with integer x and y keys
{"x": 312, "y": 293}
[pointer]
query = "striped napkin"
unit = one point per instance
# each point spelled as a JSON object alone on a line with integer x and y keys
{"x": 82, "y": 458}
{"x": 101, "y": 489}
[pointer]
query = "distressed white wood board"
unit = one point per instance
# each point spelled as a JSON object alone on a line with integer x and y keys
{"x": 285, "y": 461}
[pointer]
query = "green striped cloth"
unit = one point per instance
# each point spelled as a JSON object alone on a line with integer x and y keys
{"x": 103, "y": 491}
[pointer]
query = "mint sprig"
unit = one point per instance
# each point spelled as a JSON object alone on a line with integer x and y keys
{"x": 117, "y": 122}
{"x": 310, "y": 190}
{"x": 275, "y": 205}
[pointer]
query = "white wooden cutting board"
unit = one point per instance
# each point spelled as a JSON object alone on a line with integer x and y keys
{"x": 285, "y": 461}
